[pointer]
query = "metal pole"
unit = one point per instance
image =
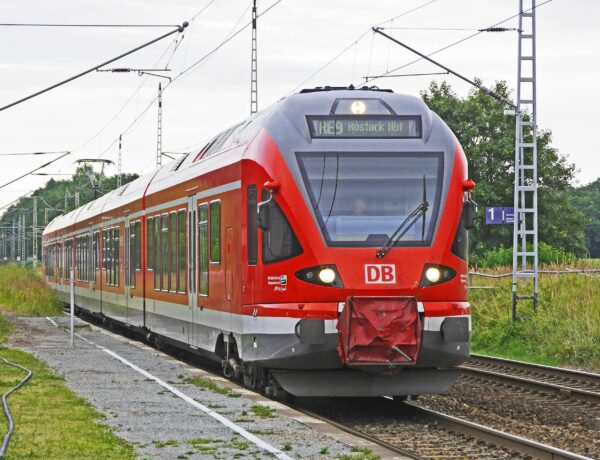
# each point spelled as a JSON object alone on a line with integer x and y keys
{"x": 159, "y": 130}
{"x": 119, "y": 164}
{"x": 34, "y": 232}
{"x": 72, "y": 282}
{"x": 254, "y": 65}
{"x": 13, "y": 240}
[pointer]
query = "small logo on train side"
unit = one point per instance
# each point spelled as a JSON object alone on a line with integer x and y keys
{"x": 380, "y": 274}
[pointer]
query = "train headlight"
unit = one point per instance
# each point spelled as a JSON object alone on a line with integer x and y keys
{"x": 436, "y": 274}
{"x": 358, "y": 107}
{"x": 323, "y": 275}
{"x": 327, "y": 275}
{"x": 433, "y": 274}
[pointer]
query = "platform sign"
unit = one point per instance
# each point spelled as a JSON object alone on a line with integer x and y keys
{"x": 498, "y": 215}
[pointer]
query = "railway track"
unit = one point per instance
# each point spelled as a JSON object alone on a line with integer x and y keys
{"x": 565, "y": 383}
{"x": 415, "y": 432}
{"x": 418, "y": 433}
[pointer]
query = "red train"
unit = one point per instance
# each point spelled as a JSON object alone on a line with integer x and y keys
{"x": 318, "y": 248}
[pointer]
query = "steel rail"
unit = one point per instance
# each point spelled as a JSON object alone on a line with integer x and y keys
{"x": 499, "y": 438}
{"x": 473, "y": 430}
{"x": 550, "y": 370}
{"x": 571, "y": 383}
{"x": 11, "y": 423}
{"x": 354, "y": 432}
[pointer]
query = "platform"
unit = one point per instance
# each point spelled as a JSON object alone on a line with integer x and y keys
{"x": 150, "y": 400}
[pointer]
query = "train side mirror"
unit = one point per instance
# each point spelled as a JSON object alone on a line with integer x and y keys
{"x": 469, "y": 214}
{"x": 264, "y": 214}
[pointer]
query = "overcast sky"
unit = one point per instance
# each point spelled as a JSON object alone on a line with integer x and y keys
{"x": 296, "y": 38}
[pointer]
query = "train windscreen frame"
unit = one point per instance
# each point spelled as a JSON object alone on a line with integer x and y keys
{"x": 360, "y": 198}
{"x": 364, "y": 126}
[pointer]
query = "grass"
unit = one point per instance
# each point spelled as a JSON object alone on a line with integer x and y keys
{"x": 263, "y": 411}
{"x": 51, "y": 421}
{"x": 359, "y": 453}
{"x": 565, "y": 330}
{"x": 208, "y": 384}
{"x": 23, "y": 292}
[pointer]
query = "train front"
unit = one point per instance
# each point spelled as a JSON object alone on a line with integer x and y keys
{"x": 358, "y": 280}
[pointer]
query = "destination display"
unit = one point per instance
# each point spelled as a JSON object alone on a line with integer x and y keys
{"x": 373, "y": 127}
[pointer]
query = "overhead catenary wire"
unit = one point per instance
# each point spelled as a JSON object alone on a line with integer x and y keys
{"x": 192, "y": 67}
{"x": 468, "y": 37}
{"x": 92, "y": 69}
{"x": 33, "y": 170}
{"x": 360, "y": 37}
{"x": 31, "y": 153}
{"x": 34, "y": 24}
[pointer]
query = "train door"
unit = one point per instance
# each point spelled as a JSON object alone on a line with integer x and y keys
{"x": 192, "y": 257}
{"x": 96, "y": 273}
{"x": 89, "y": 267}
{"x": 229, "y": 265}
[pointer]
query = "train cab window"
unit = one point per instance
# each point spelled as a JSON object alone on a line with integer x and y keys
{"x": 203, "y": 249}
{"x": 215, "y": 232}
{"x": 279, "y": 242}
{"x": 181, "y": 248}
{"x": 460, "y": 245}
{"x": 251, "y": 209}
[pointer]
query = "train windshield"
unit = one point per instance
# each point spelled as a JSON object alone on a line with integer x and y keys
{"x": 360, "y": 199}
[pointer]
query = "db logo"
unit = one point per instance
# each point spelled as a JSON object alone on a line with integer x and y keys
{"x": 380, "y": 274}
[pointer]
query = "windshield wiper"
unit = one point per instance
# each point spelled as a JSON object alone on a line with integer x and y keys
{"x": 406, "y": 225}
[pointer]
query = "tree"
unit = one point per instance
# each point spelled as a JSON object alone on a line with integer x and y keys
{"x": 587, "y": 200}
{"x": 487, "y": 137}
{"x": 51, "y": 200}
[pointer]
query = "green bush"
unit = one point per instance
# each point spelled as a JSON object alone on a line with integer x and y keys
{"x": 548, "y": 255}
{"x": 23, "y": 291}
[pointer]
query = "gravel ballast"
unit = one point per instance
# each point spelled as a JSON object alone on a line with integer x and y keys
{"x": 154, "y": 420}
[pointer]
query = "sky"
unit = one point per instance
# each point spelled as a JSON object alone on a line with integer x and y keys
{"x": 296, "y": 38}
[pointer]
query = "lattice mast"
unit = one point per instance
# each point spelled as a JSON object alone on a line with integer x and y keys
{"x": 159, "y": 130}
{"x": 34, "y": 231}
{"x": 254, "y": 65}
{"x": 525, "y": 235}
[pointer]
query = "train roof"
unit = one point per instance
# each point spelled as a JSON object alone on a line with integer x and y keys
{"x": 228, "y": 146}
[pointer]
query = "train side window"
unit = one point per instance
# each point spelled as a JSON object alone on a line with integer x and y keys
{"x": 173, "y": 251}
{"x": 157, "y": 252}
{"x": 117, "y": 255}
{"x": 138, "y": 245}
{"x": 203, "y": 249}
{"x": 181, "y": 249}
{"x": 251, "y": 208}
{"x": 279, "y": 242}
{"x": 96, "y": 251}
{"x": 150, "y": 243}
{"x": 164, "y": 249}
{"x": 215, "y": 232}
{"x": 132, "y": 254}
{"x": 60, "y": 260}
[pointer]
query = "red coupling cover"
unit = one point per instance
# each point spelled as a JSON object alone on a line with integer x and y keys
{"x": 379, "y": 330}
